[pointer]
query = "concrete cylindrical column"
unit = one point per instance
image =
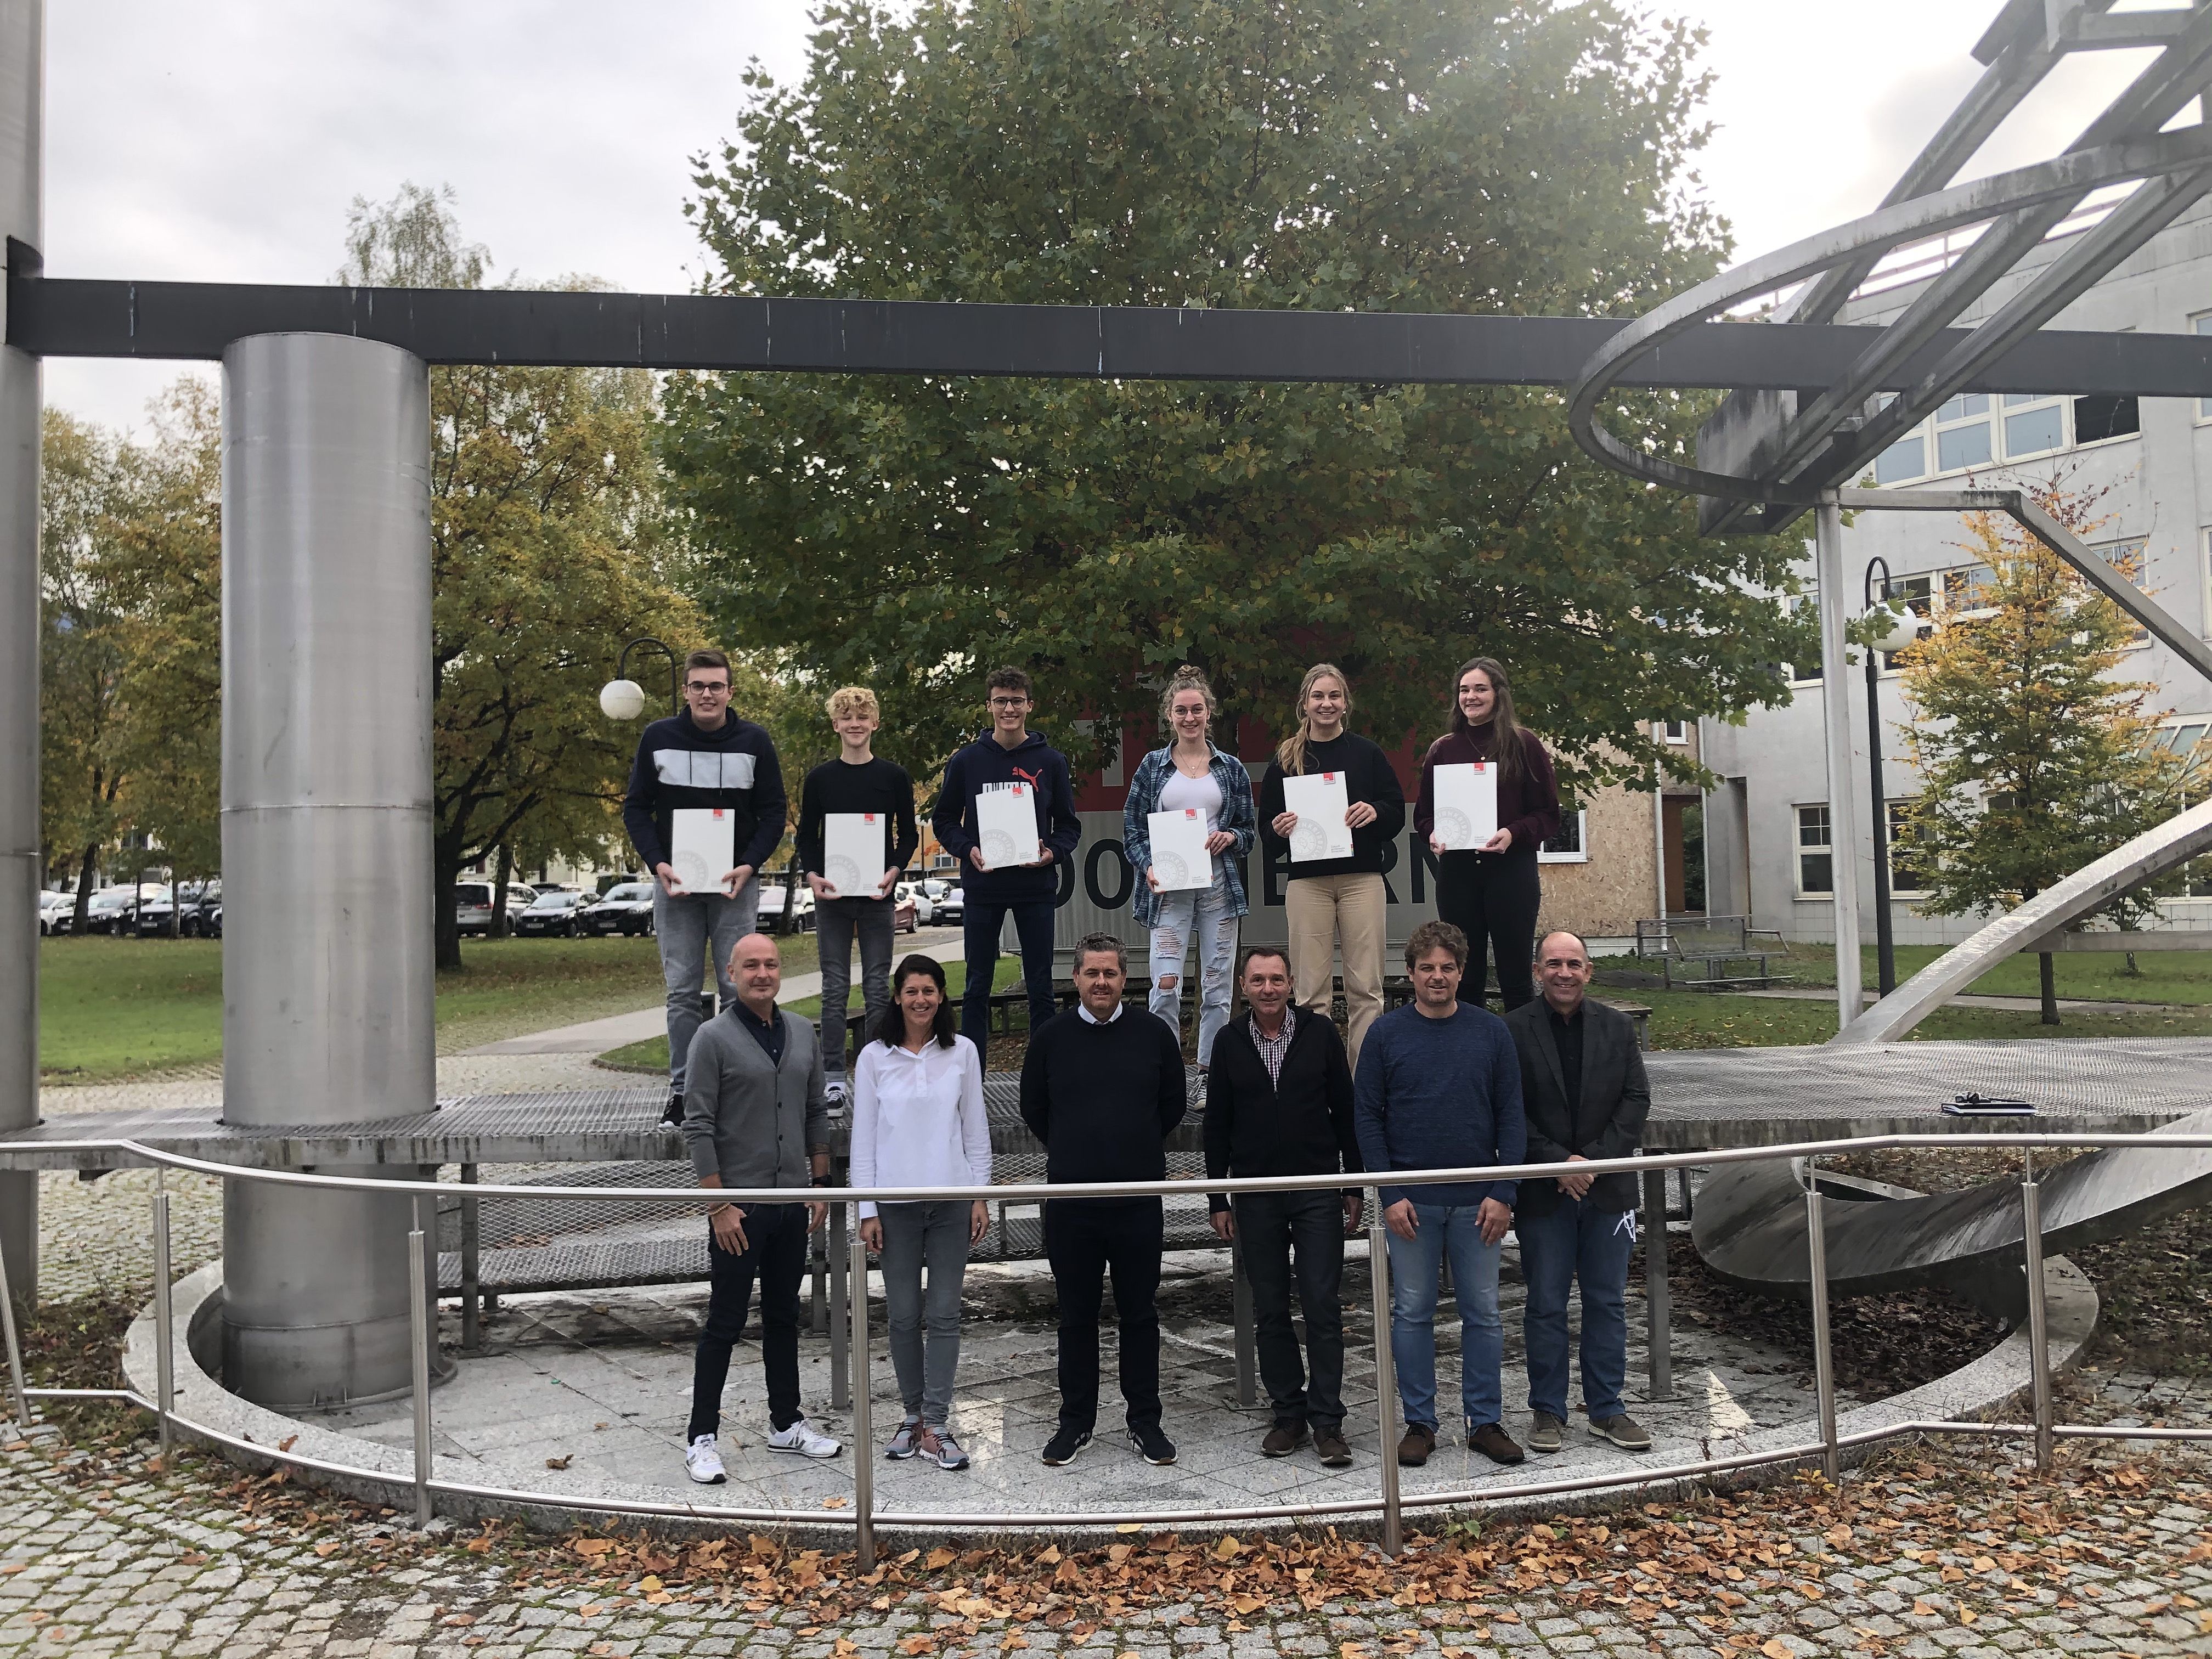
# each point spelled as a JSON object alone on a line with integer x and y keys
{"x": 326, "y": 784}
{"x": 23, "y": 77}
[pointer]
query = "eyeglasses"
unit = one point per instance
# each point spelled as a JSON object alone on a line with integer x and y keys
{"x": 705, "y": 688}
{"x": 1009, "y": 703}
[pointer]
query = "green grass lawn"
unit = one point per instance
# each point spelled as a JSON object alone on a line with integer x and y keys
{"x": 1700, "y": 1019}
{"x": 2172, "y": 976}
{"x": 115, "y": 1007}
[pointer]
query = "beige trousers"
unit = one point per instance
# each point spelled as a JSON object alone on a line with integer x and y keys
{"x": 1327, "y": 913}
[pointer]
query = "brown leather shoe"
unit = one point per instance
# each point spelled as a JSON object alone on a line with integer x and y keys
{"x": 1420, "y": 1440}
{"x": 1282, "y": 1440}
{"x": 1329, "y": 1444}
{"x": 1494, "y": 1443}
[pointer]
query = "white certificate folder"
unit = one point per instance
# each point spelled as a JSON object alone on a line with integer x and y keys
{"x": 1321, "y": 801}
{"x": 854, "y": 858}
{"x": 1179, "y": 859}
{"x": 1465, "y": 805}
{"x": 703, "y": 846}
{"x": 1005, "y": 826}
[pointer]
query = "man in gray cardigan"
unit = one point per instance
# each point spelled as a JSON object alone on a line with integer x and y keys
{"x": 1584, "y": 1086}
{"x": 754, "y": 1115}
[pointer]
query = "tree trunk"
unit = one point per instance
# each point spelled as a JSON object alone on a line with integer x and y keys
{"x": 2131, "y": 971}
{"x": 503, "y": 872}
{"x": 2049, "y": 975}
{"x": 84, "y": 890}
{"x": 448, "y": 930}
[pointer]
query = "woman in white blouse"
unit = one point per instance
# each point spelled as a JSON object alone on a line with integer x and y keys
{"x": 918, "y": 1122}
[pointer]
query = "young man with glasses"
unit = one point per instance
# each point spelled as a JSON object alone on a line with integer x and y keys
{"x": 704, "y": 757}
{"x": 1009, "y": 755}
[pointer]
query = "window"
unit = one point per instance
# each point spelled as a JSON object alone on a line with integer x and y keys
{"x": 2128, "y": 558}
{"x": 1904, "y": 878}
{"x": 1675, "y": 730}
{"x": 1962, "y": 432}
{"x": 2096, "y": 419}
{"x": 2204, "y": 325}
{"x": 1906, "y": 458}
{"x": 1572, "y": 844}
{"x": 1816, "y": 874}
{"x": 1967, "y": 589}
{"x": 2034, "y": 424}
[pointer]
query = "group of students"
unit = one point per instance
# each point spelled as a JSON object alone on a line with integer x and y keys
{"x": 1440, "y": 1082}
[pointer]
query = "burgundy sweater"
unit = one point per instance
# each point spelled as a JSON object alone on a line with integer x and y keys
{"x": 1527, "y": 804}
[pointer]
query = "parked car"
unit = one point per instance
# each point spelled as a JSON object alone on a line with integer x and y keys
{"x": 771, "y": 906}
{"x": 950, "y": 901}
{"x": 155, "y": 905}
{"x": 56, "y": 911}
{"x": 472, "y": 904}
{"x": 625, "y": 908}
{"x": 553, "y": 911}
{"x": 200, "y": 898}
{"x": 112, "y": 910}
{"x": 905, "y": 917}
{"x": 909, "y": 892}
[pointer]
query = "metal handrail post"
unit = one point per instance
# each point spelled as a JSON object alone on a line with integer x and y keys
{"x": 839, "y": 1254}
{"x": 418, "y": 1336}
{"x": 165, "y": 1384}
{"x": 472, "y": 1266}
{"x": 864, "y": 1428}
{"x": 15, "y": 1349}
{"x": 1386, "y": 1373}
{"x": 1824, "y": 1367}
{"x": 2039, "y": 1317}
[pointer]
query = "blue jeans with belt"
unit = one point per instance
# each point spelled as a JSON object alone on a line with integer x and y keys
{"x": 1441, "y": 1232}
{"x": 1570, "y": 1239}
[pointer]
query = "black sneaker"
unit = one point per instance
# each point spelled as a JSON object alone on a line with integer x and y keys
{"x": 1152, "y": 1445}
{"x": 1066, "y": 1441}
{"x": 674, "y": 1117}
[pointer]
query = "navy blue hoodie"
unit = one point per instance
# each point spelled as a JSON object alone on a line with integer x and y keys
{"x": 986, "y": 764}
{"x": 734, "y": 767}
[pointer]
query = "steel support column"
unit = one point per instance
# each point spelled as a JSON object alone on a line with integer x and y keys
{"x": 22, "y": 86}
{"x": 327, "y": 964}
{"x": 1843, "y": 778}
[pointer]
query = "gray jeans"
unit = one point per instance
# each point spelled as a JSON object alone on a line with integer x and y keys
{"x": 835, "y": 922}
{"x": 687, "y": 925}
{"x": 916, "y": 1235}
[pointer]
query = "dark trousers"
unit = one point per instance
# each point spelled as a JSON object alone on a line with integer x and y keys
{"x": 1084, "y": 1239}
{"x": 1033, "y": 927}
{"x": 1302, "y": 1232}
{"x": 776, "y": 1253}
{"x": 1493, "y": 899}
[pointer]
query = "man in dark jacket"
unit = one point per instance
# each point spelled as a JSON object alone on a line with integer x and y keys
{"x": 1278, "y": 1103}
{"x": 1102, "y": 1087}
{"x": 1008, "y": 756}
{"x": 1584, "y": 1089}
{"x": 703, "y": 759}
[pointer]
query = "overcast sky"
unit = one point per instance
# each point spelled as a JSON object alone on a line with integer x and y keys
{"x": 222, "y": 140}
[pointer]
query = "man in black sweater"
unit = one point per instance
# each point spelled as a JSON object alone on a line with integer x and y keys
{"x": 1278, "y": 1103}
{"x": 1102, "y": 1087}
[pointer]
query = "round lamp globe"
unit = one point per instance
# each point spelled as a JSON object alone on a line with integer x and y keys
{"x": 622, "y": 699}
{"x": 1891, "y": 629}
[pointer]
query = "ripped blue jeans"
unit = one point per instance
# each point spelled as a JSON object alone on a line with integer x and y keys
{"x": 1197, "y": 916}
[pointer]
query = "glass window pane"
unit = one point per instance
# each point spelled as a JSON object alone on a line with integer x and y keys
{"x": 1814, "y": 874}
{"x": 2187, "y": 738}
{"x": 1962, "y": 446}
{"x": 1906, "y": 458}
{"x": 2034, "y": 430}
{"x": 1965, "y": 404}
{"x": 2017, "y": 399}
{"x": 2096, "y": 419}
{"x": 1811, "y": 826}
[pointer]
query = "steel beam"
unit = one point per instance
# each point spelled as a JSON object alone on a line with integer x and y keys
{"x": 22, "y": 76}
{"x": 326, "y": 782}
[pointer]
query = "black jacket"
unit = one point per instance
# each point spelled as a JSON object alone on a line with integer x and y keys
{"x": 1300, "y": 1126}
{"x": 1607, "y": 1122}
{"x": 734, "y": 767}
{"x": 1368, "y": 776}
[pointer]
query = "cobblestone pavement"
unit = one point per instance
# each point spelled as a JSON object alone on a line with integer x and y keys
{"x": 1935, "y": 1555}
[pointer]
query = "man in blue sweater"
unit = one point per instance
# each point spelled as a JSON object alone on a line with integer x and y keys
{"x": 1439, "y": 1088}
{"x": 704, "y": 758}
{"x": 1007, "y": 757}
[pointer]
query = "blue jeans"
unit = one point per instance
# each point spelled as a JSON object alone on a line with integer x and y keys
{"x": 1440, "y": 1232}
{"x": 1199, "y": 916}
{"x": 1033, "y": 927}
{"x": 1570, "y": 1241}
{"x": 689, "y": 925}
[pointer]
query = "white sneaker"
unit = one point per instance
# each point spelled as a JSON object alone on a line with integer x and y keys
{"x": 703, "y": 1462}
{"x": 806, "y": 1439}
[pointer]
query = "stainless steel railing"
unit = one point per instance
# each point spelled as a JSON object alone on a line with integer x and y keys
{"x": 1390, "y": 1503}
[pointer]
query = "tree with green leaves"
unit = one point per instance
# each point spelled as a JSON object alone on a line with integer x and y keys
{"x": 2034, "y": 759}
{"x": 1518, "y": 156}
{"x": 549, "y": 553}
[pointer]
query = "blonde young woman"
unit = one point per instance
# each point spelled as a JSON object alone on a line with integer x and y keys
{"x": 1335, "y": 904}
{"x": 1189, "y": 772}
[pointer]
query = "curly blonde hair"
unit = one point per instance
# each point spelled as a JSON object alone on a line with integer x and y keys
{"x": 1187, "y": 678}
{"x": 852, "y": 700}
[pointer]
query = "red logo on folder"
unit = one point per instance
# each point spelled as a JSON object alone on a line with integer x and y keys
{"x": 1190, "y": 811}
{"x": 1328, "y": 777}
{"x": 867, "y": 817}
{"x": 1016, "y": 789}
{"x": 716, "y": 811}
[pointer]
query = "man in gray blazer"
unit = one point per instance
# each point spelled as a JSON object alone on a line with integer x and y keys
{"x": 754, "y": 1115}
{"x": 1583, "y": 1087}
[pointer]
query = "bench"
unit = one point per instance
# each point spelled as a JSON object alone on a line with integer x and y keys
{"x": 1711, "y": 953}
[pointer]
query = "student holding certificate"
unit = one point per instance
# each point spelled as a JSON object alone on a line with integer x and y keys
{"x": 704, "y": 810}
{"x": 1007, "y": 810}
{"x": 856, "y": 832}
{"x": 1186, "y": 827}
{"x": 1488, "y": 799}
{"x": 1330, "y": 803}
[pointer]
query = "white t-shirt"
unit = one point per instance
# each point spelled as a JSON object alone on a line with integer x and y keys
{"x": 918, "y": 1119}
{"x": 1180, "y": 793}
